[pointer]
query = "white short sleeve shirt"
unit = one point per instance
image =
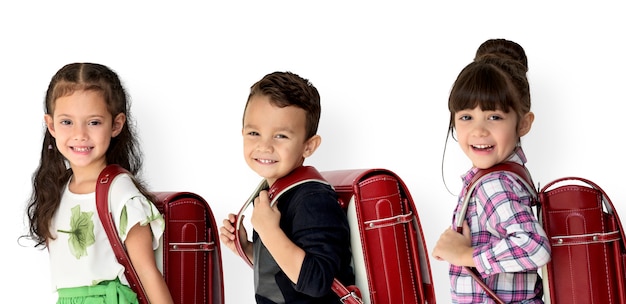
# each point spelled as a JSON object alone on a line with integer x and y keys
{"x": 80, "y": 254}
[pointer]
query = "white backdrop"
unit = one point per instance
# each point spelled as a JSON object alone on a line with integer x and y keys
{"x": 384, "y": 70}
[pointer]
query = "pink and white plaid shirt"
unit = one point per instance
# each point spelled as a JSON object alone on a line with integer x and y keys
{"x": 509, "y": 243}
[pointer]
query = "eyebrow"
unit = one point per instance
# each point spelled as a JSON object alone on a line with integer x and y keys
{"x": 281, "y": 130}
{"x": 92, "y": 116}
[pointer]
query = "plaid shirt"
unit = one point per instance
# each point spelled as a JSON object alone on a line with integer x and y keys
{"x": 509, "y": 243}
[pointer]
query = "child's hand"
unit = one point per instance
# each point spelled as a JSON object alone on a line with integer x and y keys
{"x": 455, "y": 248}
{"x": 227, "y": 234}
{"x": 265, "y": 218}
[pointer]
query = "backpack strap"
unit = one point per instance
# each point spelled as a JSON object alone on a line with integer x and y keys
{"x": 514, "y": 168}
{"x": 300, "y": 175}
{"x": 103, "y": 184}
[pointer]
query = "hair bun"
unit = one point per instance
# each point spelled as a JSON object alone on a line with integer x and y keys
{"x": 502, "y": 48}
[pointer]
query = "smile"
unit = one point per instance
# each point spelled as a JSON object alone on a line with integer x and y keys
{"x": 482, "y": 147}
{"x": 81, "y": 149}
{"x": 265, "y": 161}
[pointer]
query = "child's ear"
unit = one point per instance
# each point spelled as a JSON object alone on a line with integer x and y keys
{"x": 118, "y": 124}
{"x": 49, "y": 124}
{"x": 525, "y": 123}
{"x": 311, "y": 145}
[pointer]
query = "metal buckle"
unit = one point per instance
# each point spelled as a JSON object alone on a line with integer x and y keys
{"x": 352, "y": 294}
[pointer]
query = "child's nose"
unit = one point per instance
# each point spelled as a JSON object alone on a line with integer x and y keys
{"x": 480, "y": 129}
{"x": 264, "y": 145}
{"x": 80, "y": 133}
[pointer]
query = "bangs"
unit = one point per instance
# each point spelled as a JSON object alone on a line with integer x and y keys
{"x": 481, "y": 85}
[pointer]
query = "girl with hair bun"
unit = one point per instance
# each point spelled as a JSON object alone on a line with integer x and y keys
{"x": 502, "y": 239}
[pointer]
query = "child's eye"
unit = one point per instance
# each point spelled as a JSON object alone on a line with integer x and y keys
{"x": 495, "y": 117}
{"x": 253, "y": 133}
{"x": 464, "y": 117}
{"x": 65, "y": 122}
{"x": 95, "y": 123}
{"x": 281, "y": 136}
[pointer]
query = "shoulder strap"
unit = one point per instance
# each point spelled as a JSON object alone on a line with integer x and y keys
{"x": 511, "y": 167}
{"x": 514, "y": 168}
{"x": 298, "y": 176}
{"x": 302, "y": 174}
{"x": 103, "y": 184}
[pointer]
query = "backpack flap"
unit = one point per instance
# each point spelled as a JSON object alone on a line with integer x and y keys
{"x": 587, "y": 243}
{"x": 385, "y": 226}
{"x": 191, "y": 257}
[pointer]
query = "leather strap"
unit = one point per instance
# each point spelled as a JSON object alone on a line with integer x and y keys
{"x": 103, "y": 184}
{"x": 347, "y": 295}
{"x": 239, "y": 221}
{"x": 514, "y": 168}
{"x": 302, "y": 174}
{"x": 585, "y": 239}
{"x": 298, "y": 176}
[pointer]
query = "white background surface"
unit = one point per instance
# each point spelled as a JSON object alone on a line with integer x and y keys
{"x": 384, "y": 70}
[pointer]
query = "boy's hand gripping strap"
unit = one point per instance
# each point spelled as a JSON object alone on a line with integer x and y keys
{"x": 298, "y": 176}
{"x": 103, "y": 184}
{"x": 511, "y": 167}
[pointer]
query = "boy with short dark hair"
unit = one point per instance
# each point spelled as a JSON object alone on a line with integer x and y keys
{"x": 301, "y": 243}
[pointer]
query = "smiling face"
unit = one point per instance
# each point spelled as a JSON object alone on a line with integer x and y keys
{"x": 83, "y": 127}
{"x": 489, "y": 137}
{"x": 274, "y": 138}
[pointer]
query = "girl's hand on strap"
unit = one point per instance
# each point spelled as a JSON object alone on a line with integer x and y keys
{"x": 454, "y": 247}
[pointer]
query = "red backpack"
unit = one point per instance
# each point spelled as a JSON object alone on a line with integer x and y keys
{"x": 191, "y": 259}
{"x": 588, "y": 262}
{"x": 390, "y": 259}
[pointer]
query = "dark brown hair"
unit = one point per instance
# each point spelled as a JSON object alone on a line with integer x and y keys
{"x": 53, "y": 172}
{"x": 495, "y": 80}
{"x": 288, "y": 89}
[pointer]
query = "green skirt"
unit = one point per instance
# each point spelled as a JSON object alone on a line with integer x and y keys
{"x": 107, "y": 292}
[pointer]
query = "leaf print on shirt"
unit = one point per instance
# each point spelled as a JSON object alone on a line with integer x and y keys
{"x": 123, "y": 221}
{"x": 154, "y": 215}
{"x": 81, "y": 232}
